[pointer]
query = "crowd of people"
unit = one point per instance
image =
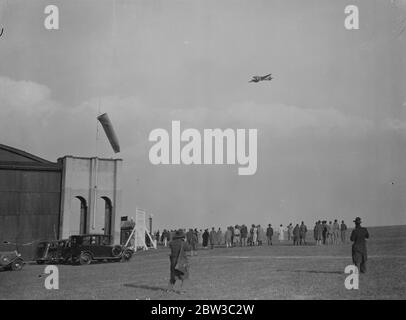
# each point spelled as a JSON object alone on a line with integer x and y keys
{"x": 324, "y": 233}
{"x": 240, "y": 235}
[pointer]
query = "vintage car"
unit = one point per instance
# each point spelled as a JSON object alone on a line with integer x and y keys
{"x": 11, "y": 260}
{"x": 51, "y": 251}
{"x": 84, "y": 249}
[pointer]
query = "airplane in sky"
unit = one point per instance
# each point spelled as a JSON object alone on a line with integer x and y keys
{"x": 261, "y": 78}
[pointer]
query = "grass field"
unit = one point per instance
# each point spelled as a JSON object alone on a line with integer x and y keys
{"x": 278, "y": 272}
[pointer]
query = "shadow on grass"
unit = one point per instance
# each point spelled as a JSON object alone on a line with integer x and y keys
{"x": 147, "y": 287}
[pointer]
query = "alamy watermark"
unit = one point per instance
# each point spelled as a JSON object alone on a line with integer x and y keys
{"x": 198, "y": 148}
{"x": 351, "y": 282}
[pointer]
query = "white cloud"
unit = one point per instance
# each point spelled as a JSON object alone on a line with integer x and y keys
{"x": 394, "y": 125}
{"x": 23, "y": 95}
{"x": 287, "y": 120}
{"x": 29, "y": 117}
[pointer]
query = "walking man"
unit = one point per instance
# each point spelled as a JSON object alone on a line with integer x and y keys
{"x": 179, "y": 270}
{"x": 359, "y": 246}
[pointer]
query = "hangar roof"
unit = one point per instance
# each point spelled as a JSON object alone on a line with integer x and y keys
{"x": 12, "y": 158}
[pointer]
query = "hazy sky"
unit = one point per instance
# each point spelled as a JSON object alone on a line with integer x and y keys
{"x": 331, "y": 125}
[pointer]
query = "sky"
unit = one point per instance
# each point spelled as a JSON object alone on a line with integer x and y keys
{"x": 331, "y": 124}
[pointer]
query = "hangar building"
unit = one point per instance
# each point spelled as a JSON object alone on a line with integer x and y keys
{"x": 44, "y": 200}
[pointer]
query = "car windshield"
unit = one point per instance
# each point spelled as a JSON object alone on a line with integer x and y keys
{"x": 105, "y": 240}
{"x": 76, "y": 241}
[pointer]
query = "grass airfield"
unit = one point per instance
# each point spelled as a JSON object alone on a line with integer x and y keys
{"x": 281, "y": 271}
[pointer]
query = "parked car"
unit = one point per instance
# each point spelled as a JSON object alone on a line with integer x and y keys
{"x": 51, "y": 251}
{"x": 84, "y": 249}
{"x": 11, "y": 260}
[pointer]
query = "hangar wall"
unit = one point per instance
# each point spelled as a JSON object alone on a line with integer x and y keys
{"x": 91, "y": 196}
{"x": 43, "y": 200}
{"x": 30, "y": 194}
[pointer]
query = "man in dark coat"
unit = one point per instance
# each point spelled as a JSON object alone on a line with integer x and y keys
{"x": 191, "y": 238}
{"x": 178, "y": 254}
{"x": 359, "y": 246}
{"x": 343, "y": 229}
{"x": 205, "y": 238}
{"x": 302, "y": 233}
{"x": 324, "y": 232}
{"x": 269, "y": 234}
{"x": 296, "y": 234}
{"x": 213, "y": 237}
{"x": 244, "y": 235}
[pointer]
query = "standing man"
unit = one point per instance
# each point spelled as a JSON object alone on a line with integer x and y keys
{"x": 157, "y": 238}
{"x": 212, "y": 238}
{"x": 319, "y": 233}
{"x": 324, "y": 233}
{"x": 191, "y": 238}
{"x": 281, "y": 232}
{"x": 244, "y": 234}
{"x": 237, "y": 235}
{"x": 359, "y": 246}
{"x": 330, "y": 233}
{"x": 336, "y": 231}
{"x": 316, "y": 226}
{"x": 261, "y": 235}
{"x": 296, "y": 235}
{"x": 166, "y": 238}
{"x": 199, "y": 236}
{"x": 302, "y": 233}
{"x": 255, "y": 235}
{"x": 290, "y": 231}
{"x": 219, "y": 237}
{"x": 205, "y": 238}
{"x": 228, "y": 237}
{"x": 269, "y": 234}
{"x": 343, "y": 229}
{"x": 232, "y": 235}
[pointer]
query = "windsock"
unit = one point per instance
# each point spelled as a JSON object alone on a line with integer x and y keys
{"x": 108, "y": 129}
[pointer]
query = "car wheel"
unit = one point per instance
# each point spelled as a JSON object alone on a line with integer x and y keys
{"x": 127, "y": 254}
{"x": 85, "y": 258}
{"x": 52, "y": 257}
{"x": 17, "y": 265}
{"x": 116, "y": 251}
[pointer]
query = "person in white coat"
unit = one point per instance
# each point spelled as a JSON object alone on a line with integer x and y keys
{"x": 281, "y": 232}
